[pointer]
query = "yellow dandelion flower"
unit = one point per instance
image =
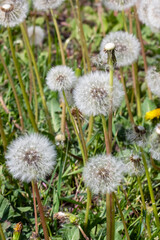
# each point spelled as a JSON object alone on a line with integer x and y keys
{"x": 152, "y": 114}
{"x": 18, "y": 227}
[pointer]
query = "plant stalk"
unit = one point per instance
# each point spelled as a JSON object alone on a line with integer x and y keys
{"x": 3, "y": 136}
{"x": 35, "y": 208}
{"x": 144, "y": 206}
{"x": 122, "y": 217}
{"x": 2, "y": 233}
{"x": 24, "y": 33}
{"x": 14, "y": 91}
{"x": 49, "y": 41}
{"x": 43, "y": 221}
{"x": 150, "y": 190}
{"x": 126, "y": 97}
{"x": 31, "y": 116}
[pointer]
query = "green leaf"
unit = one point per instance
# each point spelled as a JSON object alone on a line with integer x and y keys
{"x": 24, "y": 209}
{"x": 6, "y": 210}
{"x": 147, "y": 105}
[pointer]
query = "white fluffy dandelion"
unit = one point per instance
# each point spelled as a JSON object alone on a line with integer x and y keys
{"x": 119, "y": 5}
{"x": 137, "y": 135}
{"x": 154, "y": 13}
{"x": 92, "y": 94}
{"x": 44, "y": 5}
{"x": 31, "y": 157}
{"x": 13, "y": 12}
{"x": 61, "y": 78}
{"x": 36, "y": 35}
{"x": 127, "y": 48}
{"x": 154, "y": 142}
{"x": 143, "y": 13}
{"x": 153, "y": 80}
{"x": 103, "y": 174}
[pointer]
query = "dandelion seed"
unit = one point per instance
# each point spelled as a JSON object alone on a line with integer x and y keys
{"x": 153, "y": 80}
{"x": 92, "y": 94}
{"x": 127, "y": 48}
{"x": 133, "y": 162}
{"x": 152, "y": 114}
{"x": 36, "y": 35}
{"x": 154, "y": 142}
{"x": 103, "y": 174}
{"x": 31, "y": 157}
{"x": 119, "y": 5}
{"x": 44, "y": 5}
{"x": 61, "y": 78}
{"x": 137, "y": 135}
{"x": 154, "y": 13}
{"x": 143, "y": 10}
{"x": 13, "y": 12}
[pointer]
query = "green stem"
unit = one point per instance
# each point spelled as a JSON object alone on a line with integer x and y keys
{"x": 154, "y": 165}
{"x": 126, "y": 97}
{"x": 14, "y": 91}
{"x": 83, "y": 40}
{"x": 3, "y": 136}
{"x": 90, "y": 129}
{"x": 142, "y": 47}
{"x": 150, "y": 190}
{"x": 35, "y": 208}
{"x": 49, "y": 41}
{"x": 1, "y": 233}
{"x": 75, "y": 128}
{"x": 31, "y": 116}
{"x": 106, "y": 137}
{"x": 33, "y": 80}
{"x": 137, "y": 89}
{"x": 144, "y": 206}
{"x": 124, "y": 21}
{"x": 38, "y": 78}
{"x": 43, "y": 221}
{"x": 59, "y": 38}
{"x": 122, "y": 217}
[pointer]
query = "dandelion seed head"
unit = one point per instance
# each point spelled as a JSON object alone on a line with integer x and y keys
{"x": 136, "y": 135}
{"x": 109, "y": 46}
{"x": 154, "y": 13}
{"x": 92, "y": 94}
{"x": 36, "y": 35}
{"x": 154, "y": 142}
{"x": 44, "y": 5}
{"x": 153, "y": 80}
{"x": 133, "y": 162}
{"x": 61, "y": 78}
{"x": 31, "y": 157}
{"x": 127, "y": 47}
{"x": 103, "y": 174}
{"x": 13, "y": 12}
{"x": 119, "y": 5}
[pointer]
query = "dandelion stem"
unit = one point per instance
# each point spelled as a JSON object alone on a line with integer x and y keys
{"x": 32, "y": 79}
{"x": 137, "y": 89}
{"x": 105, "y": 134}
{"x": 64, "y": 63}
{"x": 14, "y": 91}
{"x": 41, "y": 212}
{"x": 3, "y": 136}
{"x": 59, "y": 38}
{"x": 82, "y": 36}
{"x": 35, "y": 208}
{"x": 38, "y": 78}
{"x": 142, "y": 47}
{"x": 126, "y": 97}
{"x": 31, "y": 116}
{"x": 1, "y": 233}
{"x": 124, "y": 21}
{"x": 75, "y": 128}
{"x": 49, "y": 41}
{"x": 122, "y": 217}
{"x": 90, "y": 129}
{"x": 150, "y": 190}
{"x": 144, "y": 206}
{"x": 154, "y": 165}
